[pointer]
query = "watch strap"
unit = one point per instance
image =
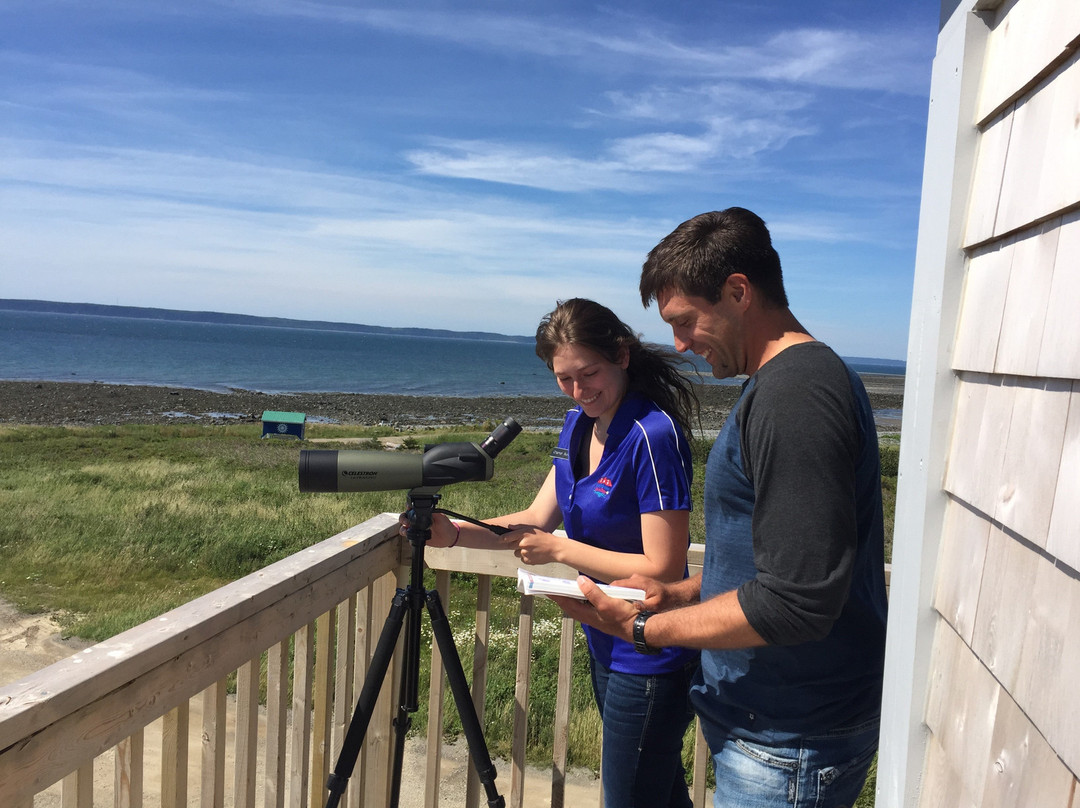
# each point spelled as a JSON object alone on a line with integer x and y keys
{"x": 640, "y": 645}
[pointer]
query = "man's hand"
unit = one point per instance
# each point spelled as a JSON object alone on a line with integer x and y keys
{"x": 610, "y": 615}
{"x": 657, "y": 593}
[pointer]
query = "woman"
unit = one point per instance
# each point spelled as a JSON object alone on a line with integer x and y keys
{"x": 620, "y": 487}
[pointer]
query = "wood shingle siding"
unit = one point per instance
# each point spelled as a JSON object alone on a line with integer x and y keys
{"x": 981, "y": 707}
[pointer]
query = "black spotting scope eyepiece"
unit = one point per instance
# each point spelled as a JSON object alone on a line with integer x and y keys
{"x": 440, "y": 464}
{"x": 500, "y": 437}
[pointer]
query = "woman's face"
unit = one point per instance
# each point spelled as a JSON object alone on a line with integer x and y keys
{"x": 596, "y": 384}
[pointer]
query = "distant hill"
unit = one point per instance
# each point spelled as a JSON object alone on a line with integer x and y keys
{"x": 243, "y": 319}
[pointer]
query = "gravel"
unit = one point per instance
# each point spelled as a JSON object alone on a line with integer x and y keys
{"x": 87, "y": 404}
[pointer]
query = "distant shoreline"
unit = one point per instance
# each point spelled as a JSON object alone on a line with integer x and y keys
{"x": 888, "y": 366}
{"x": 227, "y": 318}
{"x": 95, "y": 404}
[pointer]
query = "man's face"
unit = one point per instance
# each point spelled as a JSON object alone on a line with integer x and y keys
{"x": 710, "y": 330}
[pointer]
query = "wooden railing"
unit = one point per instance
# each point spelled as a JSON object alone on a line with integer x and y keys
{"x": 85, "y": 731}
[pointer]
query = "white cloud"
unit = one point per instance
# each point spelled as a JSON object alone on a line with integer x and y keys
{"x": 533, "y": 167}
{"x": 881, "y": 58}
{"x": 721, "y": 143}
{"x": 698, "y": 101}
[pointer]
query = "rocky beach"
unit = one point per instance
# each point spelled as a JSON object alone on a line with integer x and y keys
{"x": 90, "y": 404}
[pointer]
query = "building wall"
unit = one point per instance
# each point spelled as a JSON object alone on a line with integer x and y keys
{"x": 981, "y": 703}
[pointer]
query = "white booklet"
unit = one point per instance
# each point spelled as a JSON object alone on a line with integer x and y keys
{"x": 529, "y": 583}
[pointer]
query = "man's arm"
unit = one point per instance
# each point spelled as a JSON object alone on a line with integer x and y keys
{"x": 717, "y": 623}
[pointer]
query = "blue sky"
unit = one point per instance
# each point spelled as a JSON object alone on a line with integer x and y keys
{"x": 459, "y": 164}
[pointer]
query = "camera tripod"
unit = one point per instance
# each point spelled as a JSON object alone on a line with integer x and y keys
{"x": 409, "y": 603}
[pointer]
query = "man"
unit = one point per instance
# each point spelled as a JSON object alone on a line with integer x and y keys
{"x": 790, "y": 608}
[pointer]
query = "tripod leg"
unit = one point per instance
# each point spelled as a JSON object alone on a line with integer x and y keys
{"x": 410, "y": 686}
{"x": 365, "y": 703}
{"x": 474, "y": 733}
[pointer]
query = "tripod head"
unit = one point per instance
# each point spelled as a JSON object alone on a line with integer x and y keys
{"x": 422, "y": 502}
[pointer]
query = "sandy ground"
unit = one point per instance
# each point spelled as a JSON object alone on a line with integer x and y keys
{"x": 29, "y": 643}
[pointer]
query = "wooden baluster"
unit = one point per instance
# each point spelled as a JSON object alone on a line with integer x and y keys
{"x": 344, "y": 663}
{"x": 320, "y": 728}
{"x": 521, "y": 702}
{"x": 436, "y": 688}
{"x": 247, "y": 734}
{"x": 303, "y": 653}
{"x": 561, "y": 742}
{"x": 277, "y": 694}
{"x": 78, "y": 787}
{"x": 214, "y": 724}
{"x": 128, "y": 783}
{"x": 174, "y": 757}
{"x": 481, "y": 639}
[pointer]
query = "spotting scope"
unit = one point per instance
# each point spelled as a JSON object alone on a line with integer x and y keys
{"x": 439, "y": 465}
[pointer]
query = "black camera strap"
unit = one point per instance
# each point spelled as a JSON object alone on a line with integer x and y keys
{"x": 498, "y": 530}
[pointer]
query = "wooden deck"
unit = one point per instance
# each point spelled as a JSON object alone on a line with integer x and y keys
{"x": 314, "y": 618}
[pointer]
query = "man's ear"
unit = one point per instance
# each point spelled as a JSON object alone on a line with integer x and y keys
{"x": 740, "y": 289}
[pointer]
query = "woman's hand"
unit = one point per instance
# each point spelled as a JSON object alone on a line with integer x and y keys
{"x": 443, "y": 532}
{"x": 532, "y": 545}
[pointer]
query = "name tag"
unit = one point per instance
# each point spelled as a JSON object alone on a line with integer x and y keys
{"x": 559, "y": 453}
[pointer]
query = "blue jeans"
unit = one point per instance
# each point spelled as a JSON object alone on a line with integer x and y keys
{"x": 645, "y": 718}
{"x": 824, "y": 771}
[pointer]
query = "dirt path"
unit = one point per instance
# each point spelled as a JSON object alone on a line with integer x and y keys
{"x": 31, "y": 642}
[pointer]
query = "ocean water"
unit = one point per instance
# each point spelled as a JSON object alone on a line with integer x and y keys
{"x": 50, "y": 346}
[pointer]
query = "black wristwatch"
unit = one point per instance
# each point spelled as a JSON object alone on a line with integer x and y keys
{"x": 640, "y": 645}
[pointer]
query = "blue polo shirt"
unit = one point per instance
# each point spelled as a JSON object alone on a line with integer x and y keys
{"x": 646, "y": 467}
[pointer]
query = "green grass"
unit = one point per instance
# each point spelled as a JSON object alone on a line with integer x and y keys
{"x": 107, "y": 527}
{"x": 110, "y": 526}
